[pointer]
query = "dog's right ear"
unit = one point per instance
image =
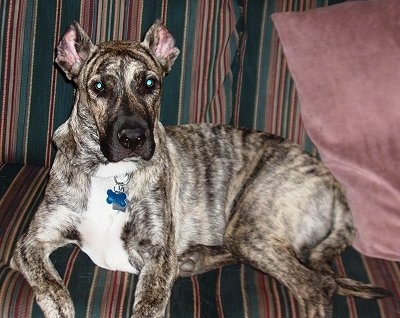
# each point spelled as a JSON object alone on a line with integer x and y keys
{"x": 74, "y": 50}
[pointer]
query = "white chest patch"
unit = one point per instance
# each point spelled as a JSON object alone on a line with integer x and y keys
{"x": 101, "y": 229}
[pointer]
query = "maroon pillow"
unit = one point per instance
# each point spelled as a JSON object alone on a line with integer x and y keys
{"x": 345, "y": 61}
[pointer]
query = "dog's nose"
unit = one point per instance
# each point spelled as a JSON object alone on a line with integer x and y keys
{"x": 132, "y": 138}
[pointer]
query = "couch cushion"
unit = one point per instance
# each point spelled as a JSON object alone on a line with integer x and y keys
{"x": 345, "y": 63}
{"x": 233, "y": 291}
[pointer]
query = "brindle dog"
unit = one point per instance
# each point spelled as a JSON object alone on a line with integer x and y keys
{"x": 162, "y": 201}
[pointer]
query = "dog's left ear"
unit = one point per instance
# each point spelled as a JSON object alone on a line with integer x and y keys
{"x": 74, "y": 50}
{"x": 162, "y": 45}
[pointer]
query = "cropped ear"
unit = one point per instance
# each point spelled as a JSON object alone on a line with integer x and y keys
{"x": 74, "y": 50}
{"x": 161, "y": 45}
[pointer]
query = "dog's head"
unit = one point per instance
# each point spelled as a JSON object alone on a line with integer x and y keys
{"x": 118, "y": 90}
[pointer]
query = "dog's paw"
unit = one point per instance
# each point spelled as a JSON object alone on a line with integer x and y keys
{"x": 317, "y": 302}
{"x": 55, "y": 302}
{"x": 191, "y": 263}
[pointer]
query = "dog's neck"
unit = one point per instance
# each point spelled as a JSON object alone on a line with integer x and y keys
{"x": 117, "y": 169}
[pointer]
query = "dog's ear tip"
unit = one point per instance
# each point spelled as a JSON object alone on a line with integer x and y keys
{"x": 162, "y": 45}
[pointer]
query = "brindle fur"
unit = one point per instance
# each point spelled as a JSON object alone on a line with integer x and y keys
{"x": 199, "y": 196}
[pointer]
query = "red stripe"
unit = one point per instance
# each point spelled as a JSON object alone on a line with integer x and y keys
{"x": 276, "y": 299}
{"x": 264, "y": 299}
{"x": 293, "y": 305}
{"x": 218, "y": 295}
{"x": 383, "y": 273}
{"x": 113, "y": 294}
{"x": 196, "y": 297}
{"x": 70, "y": 266}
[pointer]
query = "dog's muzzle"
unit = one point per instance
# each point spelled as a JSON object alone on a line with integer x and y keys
{"x": 132, "y": 138}
{"x": 128, "y": 137}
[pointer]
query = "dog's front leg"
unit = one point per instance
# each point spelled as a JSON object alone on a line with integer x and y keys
{"x": 154, "y": 287}
{"x": 31, "y": 258}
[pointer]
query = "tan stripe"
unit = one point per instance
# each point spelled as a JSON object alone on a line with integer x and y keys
{"x": 8, "y": 69}
{"x": 183, "y": 54}
{"x": 11, "y": 98}
{"x": 28, "y": 107}
{"x": 129, "y": 302}
{"x": 3, "y": 144}
{"x": 164, "y": 11}
{"x": 89, "y": 306}
{"x": 15, "y": 81}
{"x": 244, "y": 292}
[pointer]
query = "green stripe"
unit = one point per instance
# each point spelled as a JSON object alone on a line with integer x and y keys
{"x": 182, "y": 290}
{"x": 7, "y": 175}
{"x": 232, "y": 302}
{"x": 42, "y": 70}
{"x": 251, "y": 293}
{"x": 208, "y": 294}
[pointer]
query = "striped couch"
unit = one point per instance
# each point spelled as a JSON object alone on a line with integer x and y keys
{"x": 231, "y": 70}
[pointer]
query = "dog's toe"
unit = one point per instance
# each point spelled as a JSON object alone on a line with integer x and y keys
{"x": 187, "y": 268}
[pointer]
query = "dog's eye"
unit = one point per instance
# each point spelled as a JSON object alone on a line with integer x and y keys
{"x": 99, "y": 86}
{"x": 150, "y": 82}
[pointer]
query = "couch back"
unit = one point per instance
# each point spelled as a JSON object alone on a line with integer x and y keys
{"x": 231, "y": 68}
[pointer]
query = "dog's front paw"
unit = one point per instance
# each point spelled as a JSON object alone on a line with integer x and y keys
{"x": 55, "y": 302}
{"x": 192, "y": 262}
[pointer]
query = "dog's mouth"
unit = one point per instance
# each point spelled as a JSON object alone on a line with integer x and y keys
{"x": 128, "y": 138}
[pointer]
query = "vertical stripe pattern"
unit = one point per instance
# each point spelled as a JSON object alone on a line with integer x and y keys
{"x": 231, "y": 70}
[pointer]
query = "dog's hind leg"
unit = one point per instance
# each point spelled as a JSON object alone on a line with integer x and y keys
{"x": 341, "y": 235}
{"x": 270, "y": 252}
{"x": 322, "y": 256}
{"x": 274, "y": 256}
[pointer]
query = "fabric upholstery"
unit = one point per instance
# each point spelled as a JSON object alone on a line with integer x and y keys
{"x": 231, "y": 70}
{"x": 348, "y": 84}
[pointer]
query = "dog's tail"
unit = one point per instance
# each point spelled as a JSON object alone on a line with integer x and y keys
{"x": 350, "y": 287}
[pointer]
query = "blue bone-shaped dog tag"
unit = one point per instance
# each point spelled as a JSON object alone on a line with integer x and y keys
{"x": 117, "y": 199}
